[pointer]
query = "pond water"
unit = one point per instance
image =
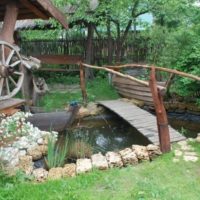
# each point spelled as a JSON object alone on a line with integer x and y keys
{"x": 110, "y": 133}
{"x": 104, "y": 133}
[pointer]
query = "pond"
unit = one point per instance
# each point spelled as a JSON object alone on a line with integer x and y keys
{"x": 104, "y": 133}
{"x": 109, "y": 132}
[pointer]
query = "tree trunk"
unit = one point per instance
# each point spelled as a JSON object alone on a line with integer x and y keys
{"x": 89, "y": 51}
{"x": 110, "y": 46}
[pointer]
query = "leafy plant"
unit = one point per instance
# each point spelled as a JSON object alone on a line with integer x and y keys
{"x": 56, "y": 155}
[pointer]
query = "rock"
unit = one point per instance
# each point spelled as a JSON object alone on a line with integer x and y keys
{"x": 83, "y": 165}
{"x": 69, "y": 170}
{"x": 40, "y": 141}
{"x": 141, "y": 152}
{"x": 22, "y": 143}
{"x": 43, "y": 149}
{"x": 26, "y": 164}
{"x": 187, "y": 148}
{"x": 40, "y": 174}
{"x": 198, "y": 138}
{"x": 35, "y": 153}
{"x": 178, "y": 153}
{"x": 99, "y": 161}
{"x": 153, "y": 151}
{"x": 55, "y": 173}
{"x": 22, "y": 152}
{"x": 190, "y": 158}
{"x": 94, "y": 109}
{"x": 83, "y": 112}
{"x": 114, "y": 159}
{"x": 190, "y": 154}
{"x": 128, "y": 157}
{"x": 10, "y": 155}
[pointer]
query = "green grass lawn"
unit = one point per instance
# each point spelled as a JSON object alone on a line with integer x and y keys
{"x": 159, "y": 180}
{"x": 99, "y": 89}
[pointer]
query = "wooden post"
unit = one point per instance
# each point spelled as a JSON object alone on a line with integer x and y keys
{"x": 82, "y": 84}
{"x": 10, "y": 19}
{"x": 162, "y": 121}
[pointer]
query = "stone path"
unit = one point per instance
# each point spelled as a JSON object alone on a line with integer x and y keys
{"x": 184, "y": 151}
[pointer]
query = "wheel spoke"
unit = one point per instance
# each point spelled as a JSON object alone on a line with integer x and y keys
{"x": 10, "y": 57}
{"x": 7, "y": 86}
{"x": 3, "y": 54}
{"x": 1, "y": 85}
{"x": 12, "y": 80}
{"x": 18, "y": 73}
{"x": 15, "y": 63}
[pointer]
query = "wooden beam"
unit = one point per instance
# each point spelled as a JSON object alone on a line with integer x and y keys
{"x": 34, "y": 9}
{"x": 161, "y": 115}
{"x": 191, "y": 76}
{"x": 59, "y": 59}
{"x": 82, "y": 84}
{"x": 10, "y": 19}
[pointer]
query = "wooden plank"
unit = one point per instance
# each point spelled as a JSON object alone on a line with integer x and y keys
{"x": 140, "y": 119}
{"x": 34, "y": 9}
{"x": 10, "y": 104}
{"x": 59, "y": 59}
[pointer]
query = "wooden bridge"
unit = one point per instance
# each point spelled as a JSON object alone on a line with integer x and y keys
{"x": 156, "y": 129}
{"x": 142, "y": 120}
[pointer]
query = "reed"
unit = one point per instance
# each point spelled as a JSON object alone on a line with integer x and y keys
{"x": 56, "y": 154}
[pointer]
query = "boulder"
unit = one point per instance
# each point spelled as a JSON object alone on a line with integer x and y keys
{"x": 26, "y": 164}
{"x": 40, "y": 174}
{"x": 128, "y": 157}
{"x": 43, "y": 149}
{"x": 35, "y": 153}
{"x": 141, "y": 152}
{"x": 99, "y": 161}
{"x": 83, "y": 165}
{"x": 153, "y": 151}
{"x": 114, "y": 159}
{"x": 69, "y": 170}
{"x": 55, "y": 173}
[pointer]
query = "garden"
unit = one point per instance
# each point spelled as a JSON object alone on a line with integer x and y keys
{"x": 58, "y": 140}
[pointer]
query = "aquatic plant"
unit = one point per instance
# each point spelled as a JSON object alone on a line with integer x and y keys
{"x": 56, "y": 154}
{"x": 80, "y": 149}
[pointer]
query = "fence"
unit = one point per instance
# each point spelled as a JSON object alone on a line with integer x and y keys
{"x": 132, "y": 51}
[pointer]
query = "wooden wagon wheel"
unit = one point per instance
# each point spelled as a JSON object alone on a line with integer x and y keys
{"x": 11, "y": 75}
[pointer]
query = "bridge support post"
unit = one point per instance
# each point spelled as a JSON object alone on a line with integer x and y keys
{"x": 82, "y": 84}
{"x": 161, "y": 115}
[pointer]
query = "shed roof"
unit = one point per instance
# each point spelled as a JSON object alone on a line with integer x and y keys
{"x": 35, "y": 9}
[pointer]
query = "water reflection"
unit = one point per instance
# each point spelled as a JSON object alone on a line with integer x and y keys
{"x": 106, "y": 134}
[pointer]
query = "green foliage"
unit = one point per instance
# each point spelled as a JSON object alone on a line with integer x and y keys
{"x": 56, "y": 154}
{"x": 98, "y": 89}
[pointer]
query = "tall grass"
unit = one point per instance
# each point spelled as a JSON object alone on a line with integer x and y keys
{"x": 56, "y": 154}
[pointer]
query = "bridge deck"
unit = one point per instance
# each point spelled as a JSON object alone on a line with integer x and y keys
{"x": 142, "y": 120}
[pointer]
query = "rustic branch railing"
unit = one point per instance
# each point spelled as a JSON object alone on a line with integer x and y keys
{"x": 156, "y": 90}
